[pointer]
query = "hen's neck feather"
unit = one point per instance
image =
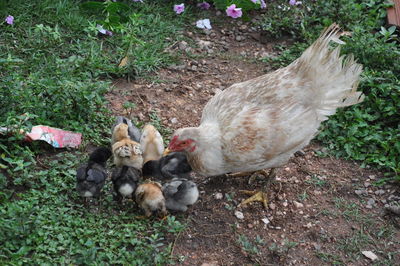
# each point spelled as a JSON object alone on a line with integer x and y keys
{"x": 206, "y": 159}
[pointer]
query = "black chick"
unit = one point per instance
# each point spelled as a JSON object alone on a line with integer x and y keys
{"x": 179, "y": 193}
{"x": 133, "y": 132}
{"x": 125, "y": 180}
{"x": 172, "y": 165}
{"x": 90, "y": 177}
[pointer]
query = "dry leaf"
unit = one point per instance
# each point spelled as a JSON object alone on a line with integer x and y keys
{"x": 123, "y": 62}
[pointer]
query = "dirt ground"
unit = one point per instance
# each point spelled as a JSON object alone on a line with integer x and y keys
{"x": 321, "y": 210}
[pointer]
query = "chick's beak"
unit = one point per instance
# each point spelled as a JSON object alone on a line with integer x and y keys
{"x": 166, "y": 152}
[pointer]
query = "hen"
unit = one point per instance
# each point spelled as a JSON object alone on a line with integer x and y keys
{"x": 90, "y": 177}
{"x": 262, "y": 122}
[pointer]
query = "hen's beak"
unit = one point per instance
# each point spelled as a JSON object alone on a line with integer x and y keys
{"x": 166, "y": 152}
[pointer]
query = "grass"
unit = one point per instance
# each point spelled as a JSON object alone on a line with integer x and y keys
{"x": 49, "y": 224}
{"x": 54, "y": 70}
{"x": 367, "y": 234}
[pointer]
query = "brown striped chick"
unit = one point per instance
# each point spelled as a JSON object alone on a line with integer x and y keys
{"x": 151, "y": 143}
{"x": 126, "y": 151}
{"x": 150, "y": 198}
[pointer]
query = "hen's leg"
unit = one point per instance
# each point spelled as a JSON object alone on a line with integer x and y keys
{"x": 260, "y": 195}
{"x": 253, "y": 175}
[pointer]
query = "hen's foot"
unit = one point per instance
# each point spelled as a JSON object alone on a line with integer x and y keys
{"x": 239, "y": 174}
{"x": 255, "y": 196}
{"x": 259, "y": 195}
{"x": 254, "y": 176}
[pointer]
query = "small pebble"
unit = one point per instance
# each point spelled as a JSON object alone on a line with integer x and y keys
{"x": 371, "y": 202}
{"x": 218, "y": 196}
{"x": 379, "y": 192}
{"x": 361, "y": 192}
{"x": 239, "y": 215}
{"x": 298, "y": 204}
{"x": 265, "y": 220}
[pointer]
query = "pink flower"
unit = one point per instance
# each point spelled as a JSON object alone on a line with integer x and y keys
{"x": 179, "y": 8}
{"x": 234, "y": 12}
{"x": 203, "y": 5}
{"x": 9, "y": 20}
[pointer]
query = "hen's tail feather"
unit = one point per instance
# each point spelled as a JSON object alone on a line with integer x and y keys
{"x": 333, "y": 78}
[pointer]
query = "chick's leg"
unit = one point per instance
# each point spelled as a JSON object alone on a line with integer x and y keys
{"x": 260, "y": 196}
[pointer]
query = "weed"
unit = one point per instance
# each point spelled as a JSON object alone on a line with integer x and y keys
{"x": 282, "y": 250}
{"x": 331, "y": 258}
{"x": 350, "y": 210}
{"x": 303, "y": 196}
{"x": 317, "y": 181}
{"x": 248, "y": 246}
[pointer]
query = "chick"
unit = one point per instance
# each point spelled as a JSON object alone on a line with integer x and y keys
{"x": 90, "y": 177}
{"x": 125, "y": 180}
{"x": 150, "y": 198}
{"x": 152, "y": 143}
{"x": 172, "y": 165}
{"x": 126, "y": 151}
{"x": 133, "y": 132}
{"x": 179, "y": 193}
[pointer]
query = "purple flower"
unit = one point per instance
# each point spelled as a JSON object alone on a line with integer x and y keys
{"x": 263, "y": 4}
{"x": 9, "y": 20}
{"x": 141, "y": 1}
{"x": 179, "y": 8}
{"x": 203, "y": 5}
{"x": 254, "y": 1}
{"x": 294, "y": 2}
{"x": 233, "y": 12}
{"x": 109, "y": 33}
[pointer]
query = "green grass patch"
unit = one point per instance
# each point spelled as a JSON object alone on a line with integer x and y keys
{"x": 49, "y": 224}
{"x": 55, "y": 68}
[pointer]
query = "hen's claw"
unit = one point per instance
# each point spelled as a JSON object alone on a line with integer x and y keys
{"x": 255, "y": 196}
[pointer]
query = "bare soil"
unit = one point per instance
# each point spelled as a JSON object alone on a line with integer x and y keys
{"x": 322, "y": 210}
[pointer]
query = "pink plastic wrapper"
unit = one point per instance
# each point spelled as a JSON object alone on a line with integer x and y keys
{"x": 57, "y": 138}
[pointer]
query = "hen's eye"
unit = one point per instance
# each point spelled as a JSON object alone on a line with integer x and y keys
{"x": 183, "y": 142}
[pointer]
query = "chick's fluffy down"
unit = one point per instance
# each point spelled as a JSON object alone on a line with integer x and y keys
{"x": 150, "y": 198}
